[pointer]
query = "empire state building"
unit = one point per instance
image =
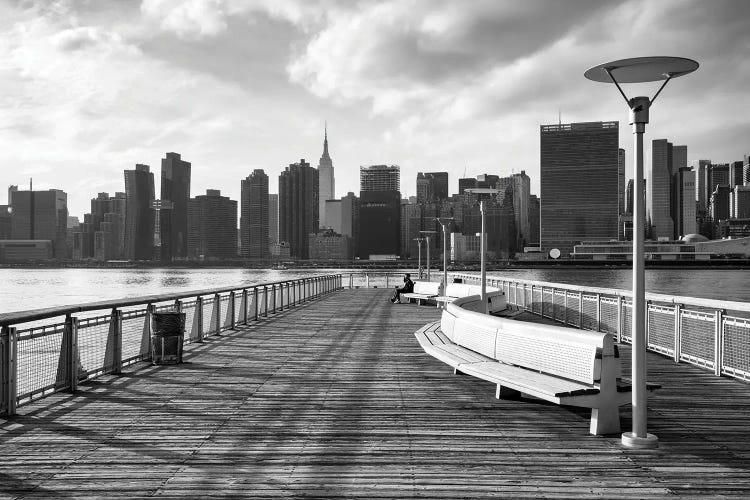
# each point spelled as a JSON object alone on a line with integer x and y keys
{"x": 327, "y": 182}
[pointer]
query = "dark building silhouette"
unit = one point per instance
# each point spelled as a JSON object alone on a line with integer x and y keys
{"x": 659, "y": 194}
{"x": 621, "y": 180}
{"x": 629, "y": 197}
{"x": 139, "y": 213}
{"x": 212, "y": 226}
{"x": 432, "y": 186}
{"x": 41, "y": 215}
{"x": 175, "y": 194}
{"x": 720, "y": 208}
{"x": 379, "y": 211}
{"x": 273, "y": 218}
{"x": 579, "y": 187}
{"x": 5, "y": 222}
{"x": 298, "y": 207}
{"x": 465, "y": 183}
{"x": 254, "y": 216}
{"x": 534, "y": 213}
{"x": 683, "y": 202}
{"x": 736, "y": 174}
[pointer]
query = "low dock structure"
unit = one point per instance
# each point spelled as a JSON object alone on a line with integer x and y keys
{"x": 334, "y": 397}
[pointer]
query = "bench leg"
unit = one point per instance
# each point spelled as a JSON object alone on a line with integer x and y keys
{"x": 605, "y": 420}
{"x": 506, "y": 393}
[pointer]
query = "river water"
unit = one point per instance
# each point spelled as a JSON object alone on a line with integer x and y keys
{"x": 25, "y": 289}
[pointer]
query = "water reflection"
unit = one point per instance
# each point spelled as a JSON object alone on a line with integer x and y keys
{"x": 23, "y": 289}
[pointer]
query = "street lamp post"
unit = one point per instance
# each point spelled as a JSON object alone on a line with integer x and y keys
{"x": 483, "y": 244}
{"x": 640, "y": 70}
{"x": 427, "y": 239}
{"x": 419, "y": 256}
{"x": 445, "y": 222}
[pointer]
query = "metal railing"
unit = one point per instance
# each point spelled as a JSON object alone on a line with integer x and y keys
{"x": 384, "y": 279}
{"x": 712, "y": 334}
{"x": 52, "y": 350}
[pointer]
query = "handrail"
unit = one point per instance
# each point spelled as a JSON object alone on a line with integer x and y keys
{"x": 50, "y": 312}
{"x": 616, "y": 292}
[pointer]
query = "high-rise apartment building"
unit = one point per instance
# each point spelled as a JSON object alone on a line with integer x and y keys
{"x": 718, "y": 175}
{"x": 579, "y": 187}
{"x": 621, "y": 180}
{"x": 745, "y": 168}
{"x": 380, "y": 212}
{"x": 683, "y": 211}
{"x": 534, "y": 222}
{"x": 108, "y": 215}
{"x": 702, "y": 193}
{"x": 736, "y": 174}
{"x": 519, "y": 186}
{"x": 629, "y": 197}
{"x": 720, "y": 203}
{"x": 299, "y": 207}
{"x": 679, "y": 158}
{"x": 139, "y": 213}
{"x": 175, "y": 194}
{"x": 658, "y": 190}
{"x": 740, "y": 202}
{"x": 432, "y": 186}
{"x": 380, "y": 178}
{"x": 465, "y": 183}
{"x": 273, "y": 219}
{"x": 326, "y": 180}
{"x": 41, "y": 215}
{"x": 5, "y": 222}
{"x": 212, "y": 226}
{"x": 254, "y": 217}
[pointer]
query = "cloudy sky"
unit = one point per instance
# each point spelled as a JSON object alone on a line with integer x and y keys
{"x": 88, "y": 88}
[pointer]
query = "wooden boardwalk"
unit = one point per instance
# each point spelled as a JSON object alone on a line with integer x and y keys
{"x": 336, "y": 399}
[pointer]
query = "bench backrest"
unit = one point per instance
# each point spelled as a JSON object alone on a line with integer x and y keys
{"x": 555, "y": 350}
{"x": 465, "y": 290}
{"x": 427, "y": 287}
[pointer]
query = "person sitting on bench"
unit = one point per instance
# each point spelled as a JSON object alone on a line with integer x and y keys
{"x": 407, "y": 288}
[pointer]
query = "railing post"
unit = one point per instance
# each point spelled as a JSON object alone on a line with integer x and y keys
{"x": 367, "y": 280}
{"x": 273, "y": 298}
{"x": 598, "y": 312}
{"x": 580, "y": 310}
{"x": 677, "y": 332}
{"x": 116, "y": 322}
{"x": 8, "y": 370}
{"x": 281, "y": 296}
{"x": 351, "y": 280}
{"x": 230, "y": 310}
{"x": 565, "y": 307}
{"x": 619, "y": 318}
{"x": 199, "y": 312}
{"x": 265, "y": 301}
{"x": 255, "y": 301}
{"x": 217, "y": 308}
{"x": 719, "y": 342}
{"x": 71, "y": 331}
{"x": 244, "y": 306}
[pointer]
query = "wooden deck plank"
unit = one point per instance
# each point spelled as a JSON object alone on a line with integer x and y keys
{"x": 325, "y": 400}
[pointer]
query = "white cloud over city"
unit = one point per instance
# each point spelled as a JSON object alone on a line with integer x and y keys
{"x": 89, "y": 88}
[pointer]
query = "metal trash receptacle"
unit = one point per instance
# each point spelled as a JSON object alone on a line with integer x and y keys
{"x": 167, "y": 336}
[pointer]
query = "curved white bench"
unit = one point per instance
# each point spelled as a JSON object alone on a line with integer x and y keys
{"x": 423, "y": 290}
{"x": 558, "y": 364}
{"x": 495, "y": 296}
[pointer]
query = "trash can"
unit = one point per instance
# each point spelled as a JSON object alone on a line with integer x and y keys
{"x": 167, "y": 335}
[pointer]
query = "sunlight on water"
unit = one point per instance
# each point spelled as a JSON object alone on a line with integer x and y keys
{"x": 24, "y": 289}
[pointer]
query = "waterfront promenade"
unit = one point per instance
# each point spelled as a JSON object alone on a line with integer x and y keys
{"x": 336, "y": 398}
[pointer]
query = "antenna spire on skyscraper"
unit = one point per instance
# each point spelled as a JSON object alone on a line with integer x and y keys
{"x": 325, "y": 141}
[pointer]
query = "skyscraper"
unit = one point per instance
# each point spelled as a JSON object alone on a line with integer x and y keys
{"x": 273, "y": 218}
{"x": 519, "y": 185}
{"x": 139, "y": 213}
{"x": 621, "y": 180}
{"x": 254, "y": 219}
{"x": 703, "y": 195}
{"x": 658, "y": 190}
{"x": 684, "y": 202}
{"x": 380, "y": 178}
{"x": 380, "y": 212}
{"x": 212, "y": 226}
{"x": 432, "y": 186}
{"x": 41, "y": 215}
{"x": 465, "y": 183}
{"x": 629, "y": 197}
{"x": 108, "y": 215}
{"x": 736, "y": 174}
{"x": 578, "y": 183}
{"x": 299, "y": 207}
{"x": 175, "y": 193}
{"x": 326, "y": 180}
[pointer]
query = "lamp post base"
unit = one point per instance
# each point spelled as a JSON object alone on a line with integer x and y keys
{"x": 630, "y": 440}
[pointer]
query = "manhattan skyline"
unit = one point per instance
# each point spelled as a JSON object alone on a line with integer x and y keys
{"x": 93, "y": 88}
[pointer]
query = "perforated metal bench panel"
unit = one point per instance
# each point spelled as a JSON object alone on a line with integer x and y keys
{"x": 476, "y": 337}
